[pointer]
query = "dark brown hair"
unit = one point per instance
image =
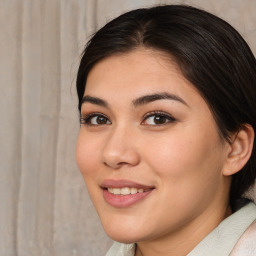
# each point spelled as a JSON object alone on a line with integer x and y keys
{"x": 210, "y": 53}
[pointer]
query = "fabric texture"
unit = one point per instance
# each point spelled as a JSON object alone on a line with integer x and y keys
{"x": 221, "y": 241}
{"x": 246, "y": 246}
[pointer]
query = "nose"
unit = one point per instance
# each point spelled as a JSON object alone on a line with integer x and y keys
{"x": 120, "y": 149}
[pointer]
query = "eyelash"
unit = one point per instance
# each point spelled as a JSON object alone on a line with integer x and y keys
{"x": 161, "y": 114}
{"x": 88, "y": 118}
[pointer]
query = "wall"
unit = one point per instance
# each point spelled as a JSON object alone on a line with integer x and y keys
{"x": 44, "y": 205}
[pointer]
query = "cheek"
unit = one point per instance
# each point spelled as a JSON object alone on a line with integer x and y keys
{"x": 188, "y": 174}
{"x": 86, "y": 155}
{"x": 185, "y": 159}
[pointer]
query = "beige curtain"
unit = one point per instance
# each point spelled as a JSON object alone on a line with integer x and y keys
{"x": 44, "y": 206}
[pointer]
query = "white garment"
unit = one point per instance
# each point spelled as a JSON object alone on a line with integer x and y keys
{"x": 220, "y": 242}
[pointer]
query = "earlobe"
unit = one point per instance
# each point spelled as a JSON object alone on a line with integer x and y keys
{"x": 239, "y": 150}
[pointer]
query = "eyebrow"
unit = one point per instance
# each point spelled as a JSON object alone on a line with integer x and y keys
{"x": 157, "y": 96}
{"x": 94, "y": 100}
{"x": 137, "y": 102}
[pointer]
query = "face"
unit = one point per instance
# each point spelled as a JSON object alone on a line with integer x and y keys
{"x": 149, "y": 149}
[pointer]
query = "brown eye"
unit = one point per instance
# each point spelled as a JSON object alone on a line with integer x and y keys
{"x": 158, "y": 119}
{"x": 99, "y": 120}
{"x": 95, "y": 119}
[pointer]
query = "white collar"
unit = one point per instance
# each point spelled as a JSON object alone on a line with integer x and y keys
{"x": 224, "y": 237}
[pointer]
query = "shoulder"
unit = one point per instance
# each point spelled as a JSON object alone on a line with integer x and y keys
{"x": 246, "y": 245}
{"x": 233, "y": 235}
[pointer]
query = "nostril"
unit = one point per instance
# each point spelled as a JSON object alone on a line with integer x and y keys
{"x": 115, "y": 165}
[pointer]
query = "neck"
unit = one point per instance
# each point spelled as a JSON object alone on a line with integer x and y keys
{"x": 181, "y": 242}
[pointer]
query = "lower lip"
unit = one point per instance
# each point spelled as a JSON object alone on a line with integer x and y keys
{"x": 122, "y": 201}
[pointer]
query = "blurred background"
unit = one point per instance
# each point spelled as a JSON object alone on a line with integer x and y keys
{"x": 44, "y": 206}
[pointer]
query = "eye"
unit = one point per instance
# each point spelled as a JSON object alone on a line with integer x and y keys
{"x": 95, "y": 119}
{"x": 157, "y": 118}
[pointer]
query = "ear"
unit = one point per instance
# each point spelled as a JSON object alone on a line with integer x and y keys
{"x": 239, "y": 150}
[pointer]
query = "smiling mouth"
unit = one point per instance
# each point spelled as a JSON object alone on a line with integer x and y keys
{"x": 126, "y": 191}
{"x": 123, "y": 197}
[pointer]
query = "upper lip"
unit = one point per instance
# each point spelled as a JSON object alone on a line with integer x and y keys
{"x": 111, "y": 183}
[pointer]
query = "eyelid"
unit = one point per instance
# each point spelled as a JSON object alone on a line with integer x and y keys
{"x": 84, "y": 118}
{"x": 159, "y": 113}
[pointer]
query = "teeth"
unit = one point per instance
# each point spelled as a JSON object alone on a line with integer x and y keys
{"x": 116, "y": 191}
{"x": 125, "y": 191}
{"x": 134, "y": 190}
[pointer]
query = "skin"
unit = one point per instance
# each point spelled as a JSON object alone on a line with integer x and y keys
{"x": 184, "y": 158}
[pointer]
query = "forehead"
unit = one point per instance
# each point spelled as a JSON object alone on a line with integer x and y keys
{"x": 141, "y": 65}
{"x": 131, "y": 75}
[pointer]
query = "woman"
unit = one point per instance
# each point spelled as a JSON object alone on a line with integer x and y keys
{"x": 167, "y": 98}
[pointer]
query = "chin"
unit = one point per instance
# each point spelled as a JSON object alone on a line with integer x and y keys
{"x": 123, "y": 239}
{"x": 124, "y": 235}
